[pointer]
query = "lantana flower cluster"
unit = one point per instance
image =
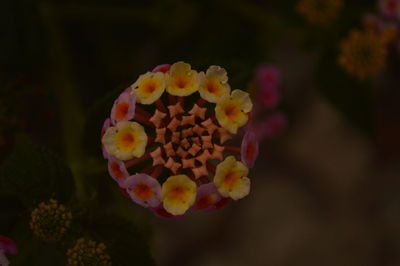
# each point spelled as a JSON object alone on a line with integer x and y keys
{"x": 319, "y": 12}
{"x": 364, "y": 52}
{"x": 174, "y": 140}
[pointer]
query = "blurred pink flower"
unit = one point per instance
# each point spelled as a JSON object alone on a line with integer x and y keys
{"x": 389, "y": 8}
{"x": 275, "y": 124}
{"x": 6, "y": 246}
{"x": 268, "y": 79}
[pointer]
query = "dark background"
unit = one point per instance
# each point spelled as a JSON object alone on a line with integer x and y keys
{"x": 326, "y": 192}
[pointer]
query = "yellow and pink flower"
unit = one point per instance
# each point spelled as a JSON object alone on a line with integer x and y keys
{"x": 117, "y": 170}
{"x": 144, "y": 190}
{"x": 178, "y": 194}
{"x": 214, "y": 85}
{"x": 231, "y": 179}
{"x": 232, "y": 112}
{"x": 149, "y": 87}
{"x": 182, "y": 80}
{"x": 125, "y": 141}
{"x": 124, "y": 108}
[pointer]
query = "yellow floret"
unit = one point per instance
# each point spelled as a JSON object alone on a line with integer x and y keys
{"x": 231, "y": 113}
{"x": 231, "y": 179}
{"x": 214, "y": 85}
{"x": 149, "y": 87}
{"x": 182, "y": 80}
{"x": 178, "y": 194}
{"x": 126, "y": 140}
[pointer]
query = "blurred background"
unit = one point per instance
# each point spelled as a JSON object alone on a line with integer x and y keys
{"x": 324, "y": 192}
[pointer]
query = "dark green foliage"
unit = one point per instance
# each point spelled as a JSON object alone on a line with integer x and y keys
{"x": 34, "y": 174}
{"x": 125, "y": 244}
{"x": 353, "y": 98}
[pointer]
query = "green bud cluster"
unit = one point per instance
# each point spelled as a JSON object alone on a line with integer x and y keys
{"x": 88, "y": 252}
{"x": 50, "y": 221}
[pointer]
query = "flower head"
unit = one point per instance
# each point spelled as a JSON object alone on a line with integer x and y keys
{"x": 125, "y": 140}
{"x": 182, "y": 80}
{"x": 231, "y": 179}
{"x": 363, "y": 54}
{"x": 124, "y": 108}
{"x": 174, "y": 144}
{"x": 232, "y": 112}
{"x": 88, "y": 252}
{"x": 144, "y": 190}
{"x": 149, "y": 87}
{"x": 214, "y": 85}
{"x": 319, "y": 12}
{"x": 50, "y": 221}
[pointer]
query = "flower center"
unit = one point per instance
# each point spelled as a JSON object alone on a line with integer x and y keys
{"x": 232, "y": 111}
{"x": 127, "y": 140}
{"x": 212, "y": 87}
{"x": 149, "y": 87}
{"x": 143, "y": 191}
{"x": 122, "y": 110}
{"x": 181, "y": 82}
{"x": 178, "y": 193}
{"x": 230, "y": 179}
{"x": 250, "y": 151}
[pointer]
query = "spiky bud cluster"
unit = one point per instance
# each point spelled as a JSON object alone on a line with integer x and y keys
{"x": 87, "y": 252}
{"x": 50, "y": 221}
